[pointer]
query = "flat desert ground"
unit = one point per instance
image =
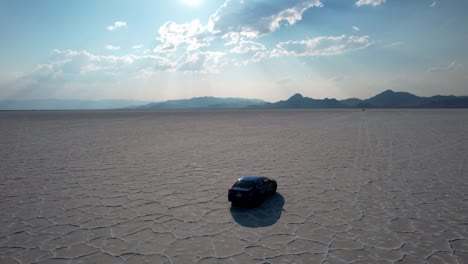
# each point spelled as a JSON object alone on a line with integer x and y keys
{"x": 375, "y": 186}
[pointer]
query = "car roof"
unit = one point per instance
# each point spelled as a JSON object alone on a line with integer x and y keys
{"x": 251, "y": 178}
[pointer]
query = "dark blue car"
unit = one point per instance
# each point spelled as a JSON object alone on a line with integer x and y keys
{"x": 251, "y": 190}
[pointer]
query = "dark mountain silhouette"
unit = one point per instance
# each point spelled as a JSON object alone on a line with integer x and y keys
{"x": 391, "y": 99}
{"x": 351, "y": 102}
{"x": 440, "y": 101}
{"x": 386, "y": 99}
{"x": 298, "y": 101}
{"x": 203, "y": 103}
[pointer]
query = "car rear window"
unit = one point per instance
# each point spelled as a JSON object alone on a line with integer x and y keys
{"x": 244, "y": 184}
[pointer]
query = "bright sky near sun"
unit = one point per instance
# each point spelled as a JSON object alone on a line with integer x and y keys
{"x": 266, "y": 49}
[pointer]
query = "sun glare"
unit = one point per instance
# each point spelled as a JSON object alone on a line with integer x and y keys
{"x": 192, "y": 2}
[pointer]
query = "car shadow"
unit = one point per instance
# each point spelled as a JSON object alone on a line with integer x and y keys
{"x": 266, "y": 213}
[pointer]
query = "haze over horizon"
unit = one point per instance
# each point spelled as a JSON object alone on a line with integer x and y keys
{"x": 156, "y": 51}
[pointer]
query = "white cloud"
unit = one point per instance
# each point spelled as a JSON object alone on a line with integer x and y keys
{"x": 233, "y": 37}
{"x": 370, "y": 2}
{"x": 452, "y": 66}
{"x": 82, "y": 65}
{"x": 246, "y": 46}
{"x": 189, "y": 36}
{"x": 433, "y": 4}
{"x": 76, "y": 72}
{"x": 321, "y": 46}
{"x": 183, "y": 43}
{"x": 110, "y": 47}
{"x": 254, "y": 18}
{"x": 259, "y": 56}
{"x": 356, "y": 28}
{"x": 188, "y": 47}
{"x": 116, "y": 25}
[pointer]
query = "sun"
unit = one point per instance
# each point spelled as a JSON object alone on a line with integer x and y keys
{"x": 192, "y": 2}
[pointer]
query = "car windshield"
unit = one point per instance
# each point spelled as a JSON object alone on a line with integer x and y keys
{"x": 244, "y": 184}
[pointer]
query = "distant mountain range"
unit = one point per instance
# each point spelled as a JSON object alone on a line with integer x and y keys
{"x": 55, "y": 104}
{"x": 391, "y": 99}
{"x": 204, "y": 103}
{"x": 386, "y": 99}
{"x": 299, "y": 101}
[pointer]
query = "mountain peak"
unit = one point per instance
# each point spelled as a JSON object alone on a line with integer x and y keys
{"x": 296, "y": 96}
{"x": 390, "y": 98}
{"x": 389, "y": 91}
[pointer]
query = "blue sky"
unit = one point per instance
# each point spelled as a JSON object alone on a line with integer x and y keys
{"x": 159, "y": 50}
